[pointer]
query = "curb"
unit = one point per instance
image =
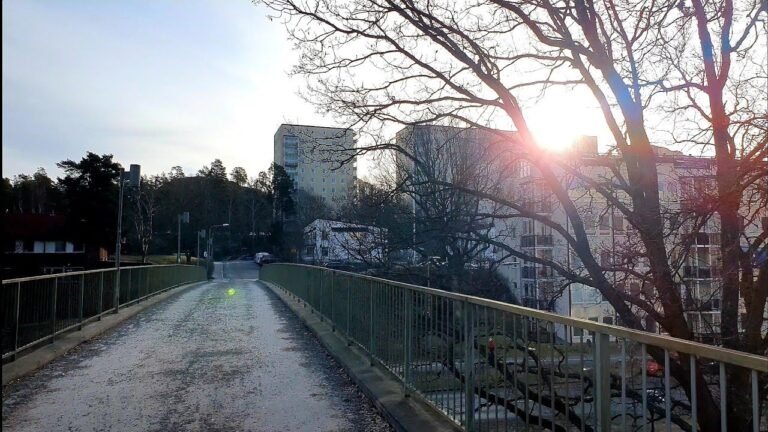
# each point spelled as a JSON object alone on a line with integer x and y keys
{"x": 40, "y": 357}
{"x": 382, "y": 388}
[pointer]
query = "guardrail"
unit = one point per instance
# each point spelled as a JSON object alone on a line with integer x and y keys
{"x": 490, "y": 365}
{"x": 37, "y": 309}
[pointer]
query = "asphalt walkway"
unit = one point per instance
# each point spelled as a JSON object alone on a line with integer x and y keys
{"x": 225, "y": 355}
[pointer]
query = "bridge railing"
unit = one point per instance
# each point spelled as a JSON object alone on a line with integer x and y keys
{"x": 38, "y": 309}
{"x": 490, "y": 365}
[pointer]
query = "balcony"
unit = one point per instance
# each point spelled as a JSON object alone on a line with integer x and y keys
{"x": 694, "y": 304}
{"x": 536, "y": 241}
{"x": 695, "y": 272}
{"x": 538, "y": 206}
{"x": 535, "y": 303}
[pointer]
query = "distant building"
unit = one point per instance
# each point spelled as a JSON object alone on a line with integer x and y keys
{"x": 332, "y": 242}
{"x": 319, "y": 159}
{"x": 478, "y": 159}
{"x": 36, "y": 244}
{"x": 684, "y": 183}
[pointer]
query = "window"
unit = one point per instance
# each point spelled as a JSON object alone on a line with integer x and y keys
{"x": 310, "y": 250}
{"x": 605, "y": 223}
{"x": 324, "y": 235}
{"x": 608, "y": 320}
{"x": 578, "y": 332}
{"x": 291, "y": 151}
{"x": 60, "y": 246}
{"x": 527, "y": 226}
{"x": 523, "y": 169}
{"x": 618, "y": 223}
{"x": 325, "y": 251}
{"x": 589, "y": 223}
{"x": 605, "y": 258}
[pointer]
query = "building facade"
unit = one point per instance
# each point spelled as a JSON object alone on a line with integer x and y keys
{"x": 333, "y": 242}
{"x": 502, "y": 168}
{"x": 319, "y": 160}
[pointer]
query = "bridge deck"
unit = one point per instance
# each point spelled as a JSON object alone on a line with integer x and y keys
{"x": 226, "y": 355}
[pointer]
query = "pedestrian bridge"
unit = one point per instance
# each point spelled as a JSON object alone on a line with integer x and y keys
{"x": 229, "y": 355}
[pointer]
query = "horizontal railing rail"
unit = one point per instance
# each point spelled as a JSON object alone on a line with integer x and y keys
{"x": 39, "y": 308}
{"x": 490, "y": 365}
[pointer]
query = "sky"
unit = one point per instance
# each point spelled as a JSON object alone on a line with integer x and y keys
{"x": 166, "y": 83}
{"x": 152, "y": 82}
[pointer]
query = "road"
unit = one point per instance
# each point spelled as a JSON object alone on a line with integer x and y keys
{"x": 225, "y": 355}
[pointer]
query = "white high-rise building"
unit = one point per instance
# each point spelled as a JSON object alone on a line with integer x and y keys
{"x": 319, "y": 159}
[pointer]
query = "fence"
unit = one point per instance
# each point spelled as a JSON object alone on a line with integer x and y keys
{"x": 37, "y": 309}
{"x": 495, "y": 366}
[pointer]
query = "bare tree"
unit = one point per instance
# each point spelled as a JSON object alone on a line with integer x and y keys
{"x": 145, "y": 207}
{"x": 702, "y": 65}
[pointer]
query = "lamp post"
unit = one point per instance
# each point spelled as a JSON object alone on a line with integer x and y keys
{"x": 181, "y": 217}
{"x": 200, "y": 233}
{"x": 133, "y": 179}
{"x": 210, "y": 239}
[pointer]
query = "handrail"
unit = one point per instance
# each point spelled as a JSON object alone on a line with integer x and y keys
{"x": 84, "y": 272}
{"x": 43, "y": 307}
{"x": 441, "y": 345}
{"x": 738, "y": 358}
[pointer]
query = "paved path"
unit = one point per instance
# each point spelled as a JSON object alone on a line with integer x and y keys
{"x": 226, "y": 355}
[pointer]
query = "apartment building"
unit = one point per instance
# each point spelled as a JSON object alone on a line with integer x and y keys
{"x": 473, "y": 158}
{"x": 684, "y": 182}
{"x": 500, "y": 167}
{"x": 333, "y": 242}
{"x": 319, "y": 159}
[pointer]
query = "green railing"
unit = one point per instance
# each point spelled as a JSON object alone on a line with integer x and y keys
{"x": 490, "y": 365}
{"x": 38, "y": 309}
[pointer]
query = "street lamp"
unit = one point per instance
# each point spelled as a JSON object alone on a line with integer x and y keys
{"x": 210, "y": 239}
{"x": 132, "y": 179}
{"x": 200, "y": 233}
{"x": 181, "y": 217}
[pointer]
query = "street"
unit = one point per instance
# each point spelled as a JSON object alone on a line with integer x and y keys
{"x": 225, "y": 355}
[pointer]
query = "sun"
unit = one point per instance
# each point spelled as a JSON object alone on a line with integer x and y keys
{"x": 561, "y": 117}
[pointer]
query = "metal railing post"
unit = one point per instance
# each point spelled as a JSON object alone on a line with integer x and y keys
{"x": 469, "y": 366}
{"x": 53, "y": 308}
{"x": 372, "y": 339}
{"x": 333, "y": 308}
{"x": 101, "y": 294}
{"x": 81, "y": 298}
{"x": 320, "y": 299}
{"x": 130, "y": 285}
{"x": 117, "y": 290}
{"x": 602, "y": 382}
{"x": 16, "y": 329}
{"x": 349, "y": 312}
{"x": 407, "y": 342}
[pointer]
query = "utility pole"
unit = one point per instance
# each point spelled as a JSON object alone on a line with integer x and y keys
{"x": 134, "y": 178}
{"x": 181, "y": 217}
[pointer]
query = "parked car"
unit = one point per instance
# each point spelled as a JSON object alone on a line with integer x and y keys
{"x": 656, "y": 369}
{"x": 262, "y": 258}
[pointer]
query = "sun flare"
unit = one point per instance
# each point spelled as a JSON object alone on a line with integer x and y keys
{"x": 558, "y": 120}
